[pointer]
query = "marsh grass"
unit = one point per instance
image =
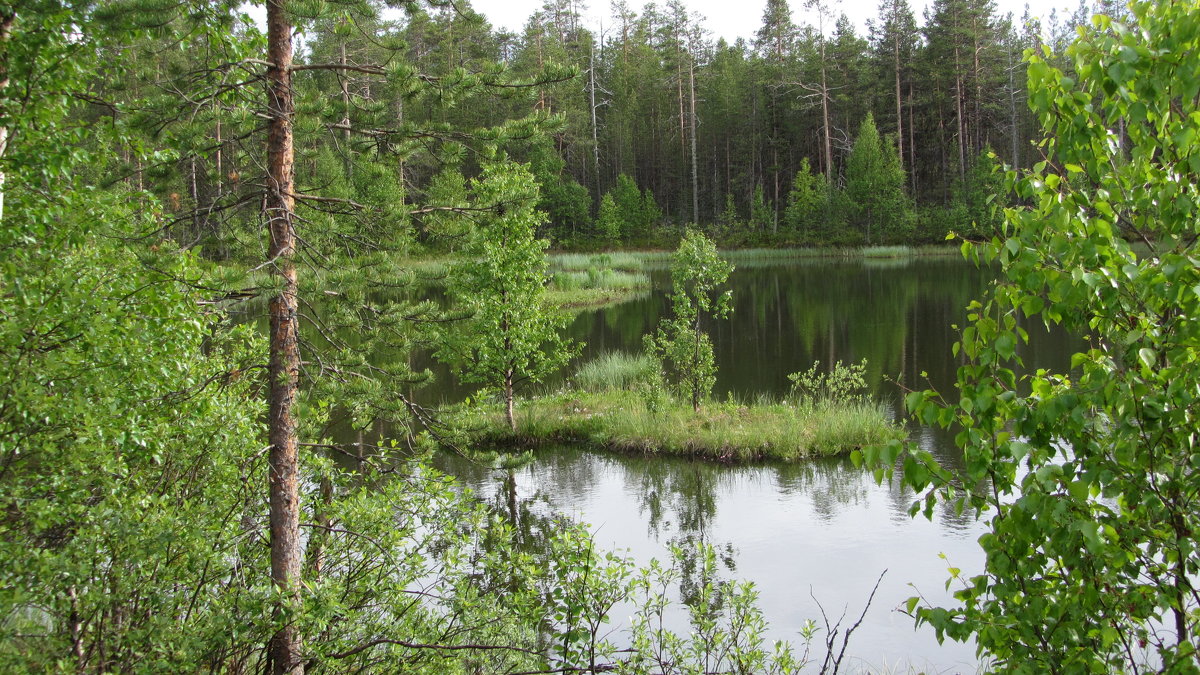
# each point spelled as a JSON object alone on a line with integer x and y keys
{"x": 594, "y": 287}
{"x": 888, "y": 252}
{"x": 629, "y": 261}
{"x": 599, "y": 278}
{"x": 746, "y": 255}
{"x": 749, "y": 256}
{"x": 616, "y": 371}
{"x": 724, "y": 431}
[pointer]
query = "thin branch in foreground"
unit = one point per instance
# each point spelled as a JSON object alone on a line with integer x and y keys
{"x": 832, "y": 631}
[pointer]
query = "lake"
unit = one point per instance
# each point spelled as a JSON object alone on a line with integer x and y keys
{"x": 819, "y": 531}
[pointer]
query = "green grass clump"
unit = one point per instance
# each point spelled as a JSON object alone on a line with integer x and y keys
{"x": 888, "y": 252}
{"x": 725, "y": 431}
{"x": 594, "y": 286}
{"x": 599, "y": 278}
{"x": 616, "y": 371}
{"x": 629, "y": 261}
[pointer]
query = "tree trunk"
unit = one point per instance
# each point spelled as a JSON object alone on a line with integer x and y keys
{"x": 1012, "y": 110}
{"x": 695, "y": 171}
{"x": 508, "y": 401}
{"x": 194, "y": 193}
{"x": 344, "y": 80}
{"x": 958, "y": 115}
{"x": 912, "y": 143}
{"x": 6, "y": 24}
{"x": 595, "y": 126}
{"x": 825, "y": 116}
{"x": 682, "y": 130}
{"x": 899, "y": 107}
{"x": 283, "y": 371}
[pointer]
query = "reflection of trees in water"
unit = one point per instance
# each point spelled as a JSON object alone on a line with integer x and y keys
{"x": 830, "y": 483}
{"x": 684, "y": 494}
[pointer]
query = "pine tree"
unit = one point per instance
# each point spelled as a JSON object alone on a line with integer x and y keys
{"x": 894, "y": 43}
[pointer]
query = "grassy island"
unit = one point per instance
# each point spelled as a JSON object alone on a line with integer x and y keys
{"x": 617, "y": 402}
{"x": 723, "y": 431}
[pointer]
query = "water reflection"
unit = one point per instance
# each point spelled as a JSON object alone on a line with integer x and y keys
{"x": 823, "y": 527}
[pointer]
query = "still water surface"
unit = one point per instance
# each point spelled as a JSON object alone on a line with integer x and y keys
{"x": 806, "y": 532}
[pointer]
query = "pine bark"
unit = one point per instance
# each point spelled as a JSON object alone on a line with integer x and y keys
{"x": 825, "y": 114}
{"x": 899, "y": 107}
{"x": 695, "y": 169}
{"x": 284, "y": 364}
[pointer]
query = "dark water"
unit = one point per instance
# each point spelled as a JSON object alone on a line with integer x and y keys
{"x": 805, "y": 533}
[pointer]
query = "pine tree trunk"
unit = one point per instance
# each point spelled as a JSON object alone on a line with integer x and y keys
{"x": 1012, "y": 110}
{"x": 695, "y": 171}
{"x": 6, "y": 24}
{"x": 899, "y": 107}
{"x": 825, "y": 116}
{"x": 284, "y": 365}
{"x": 595, "y": 126}
{"x": 912, "y": 142}
{"x": 958, "y": 116}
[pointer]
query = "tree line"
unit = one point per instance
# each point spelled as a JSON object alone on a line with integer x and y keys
{"x": 645, "y": 127}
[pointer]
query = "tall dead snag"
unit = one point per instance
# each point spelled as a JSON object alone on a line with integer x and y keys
{"x": 284, "y": 367}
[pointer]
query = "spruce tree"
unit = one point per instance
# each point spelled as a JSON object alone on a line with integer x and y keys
{"x": 879, "y": 208}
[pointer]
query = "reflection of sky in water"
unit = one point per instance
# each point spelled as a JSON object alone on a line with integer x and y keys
{"x": 824, "y": 527}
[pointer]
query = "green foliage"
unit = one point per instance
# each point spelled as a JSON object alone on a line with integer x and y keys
{"x": 1088, "y": 479}
{"x": 510, "y": 335}
{"x": 646, "y": 419}
{"x": 447, "y": 191}
{"x": 651, "y": 214}
{"x": 842, "y": 385}
{"x": 976, "y": 207}
{"x": 629, "y": 207}
{"x": 878, "y": 206}
{"x": 125, "y": 412}
{"x": 729, "y": 220}
{"x": 609, "y": 222}
{"x": 566, "y": 203}
{"x": 681, "y": 347}
{"x": 807, "y": 203}
{"x": 762, "y": 216}
{"x": 616, "y": 371}
{"x": 116, "y": 428}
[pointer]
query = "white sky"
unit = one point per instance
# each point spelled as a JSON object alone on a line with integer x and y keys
{"x": 732, "y": 19}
